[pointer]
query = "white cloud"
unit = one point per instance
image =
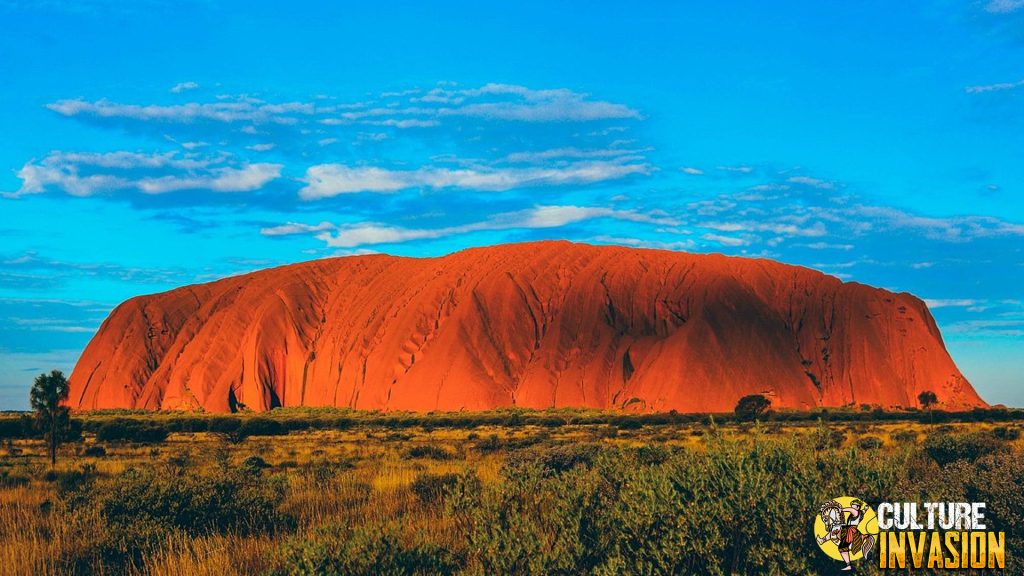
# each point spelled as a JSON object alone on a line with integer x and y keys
{"x": 519, "y": 103}
{"x": 292, "y": 228}
{"x": 326, "y": 180}
{"x": 645, "y": 243}
{"x": 950, "y": 229}
{"x": 725, "y": 240}
{"x": 1004, "y": 6}
{"x": 737, "y": 169}
{"x": 361, "y": 234}
{"x": 950, "y": 303}
{"x": 87, "y": 174}
{"x": 490, "y": 102}
{"x": 1012, "y": 328}
{"x": 827, "y": 246}
{"x": 227, "y": 179}
{"x": 812, "y": 182}
{"x": 184, "y": 86}
{"x": 260, "y": 147}
{"x": 51, "y": 325}
{"x": 692, "y": 171}
{"x": 981, "y": 89}
{"x": 243, "y": 110}
{"x": 570, "y": 152}
{"x": 814, "y": 230}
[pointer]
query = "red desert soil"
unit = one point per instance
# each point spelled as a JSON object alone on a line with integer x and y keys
{"x": 534, "y": 325}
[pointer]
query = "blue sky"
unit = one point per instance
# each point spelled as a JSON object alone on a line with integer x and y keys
{"x": 152, "y": 144}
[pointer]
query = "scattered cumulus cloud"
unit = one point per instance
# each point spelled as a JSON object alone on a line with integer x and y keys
{"x": 725, "y": 240}
{"x": 826, "y": 246}
{"x": 950, "y": 302}
{"x": 89, "y": 174}
{"x": 496, "y": 102}
{"x": 737, "y": 169}
{"x": 184, "y": 87}
{"x": 326, "y": 180}
{"x": 292, "y": 228}
{"x": 242, "y": 110}
{"x": 813, "y": 182}
{"x": 538, "y": 217}
{"x": 1004, "y": 6}
{"x": 998, "y": 87}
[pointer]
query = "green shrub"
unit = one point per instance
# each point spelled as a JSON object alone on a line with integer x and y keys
{"x": 67, "y": 481}
{"x": 870, "y": 443}
{"x": 554, "y": 459}
{"x": 431, "y": 488}
{"x": 490, "y": 444}
{"x": 428, "y": 451}
{"x": 734, "y": 509}
{"x": 225, "y": 501}
{"x": 323, "y": 472}
{"x": 16, "y": 427}
{"x": 131, "y": 430}
{"x": 653, "y": 454}
{"x": 363, "y": 551}
{"x": 261, "y": 427}
{"x": 828, "y": 438}
{"x": 254, "y": 464}
{"x": 1006, "y": 433}
{"x": 94, "y": 451}
{"x": 224, "y": 424}
{"x": 946, "y": 448}
{"x": 905, "y": 436}
{"x": 12, "y": 479}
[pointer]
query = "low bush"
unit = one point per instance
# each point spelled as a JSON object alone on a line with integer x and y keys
{"x": 254, "y": 464}
{"x": 828, "y": 438}
{"x": 870, "y": 443}
{"x": 554, "y": 459}
{"x": 429, "y": 451}
{"x": 653, "y": 454}
{"x": 94, "y": 451}
{"x": 948, "y": 447}
{"x": 223, "y": 424}
{"x": 489, "y": 445}
{"x": 905, "y": 436}
{"x": 131, "y": 430}
{"x": 261, "y": 427}
{"x": 231, "y": 500}
{"x": 323, "y": 472}
{"x": 363, "y": 551}
{"x": 1009, "y": 433}
{"x": 431, "y": 488}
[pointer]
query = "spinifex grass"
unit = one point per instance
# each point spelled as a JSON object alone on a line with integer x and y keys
{"x": 577, "y": 498}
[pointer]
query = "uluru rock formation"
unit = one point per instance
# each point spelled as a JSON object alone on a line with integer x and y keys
{"x": 533, "y": 325}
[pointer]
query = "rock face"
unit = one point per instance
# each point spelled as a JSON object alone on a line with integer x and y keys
{"x": 533, "y": 325}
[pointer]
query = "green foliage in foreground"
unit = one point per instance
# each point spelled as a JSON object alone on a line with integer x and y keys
{"x": 734, "y": 506}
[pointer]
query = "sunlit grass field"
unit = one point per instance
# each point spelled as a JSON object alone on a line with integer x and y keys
{"x": 695, "y": 497}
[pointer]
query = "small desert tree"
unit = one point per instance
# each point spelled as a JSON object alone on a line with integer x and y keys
{"x": 752, "y": 406}
{"x": 927, "y": 400}
{"x": 52, "y": 418}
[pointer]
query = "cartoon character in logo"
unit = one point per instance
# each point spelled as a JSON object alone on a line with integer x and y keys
{"x": 842, "y": 527}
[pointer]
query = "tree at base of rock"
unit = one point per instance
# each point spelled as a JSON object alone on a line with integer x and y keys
{"x": 53, "y": 419}
{"x": 752, "y": 406}
{"x": 927, "y": 400}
